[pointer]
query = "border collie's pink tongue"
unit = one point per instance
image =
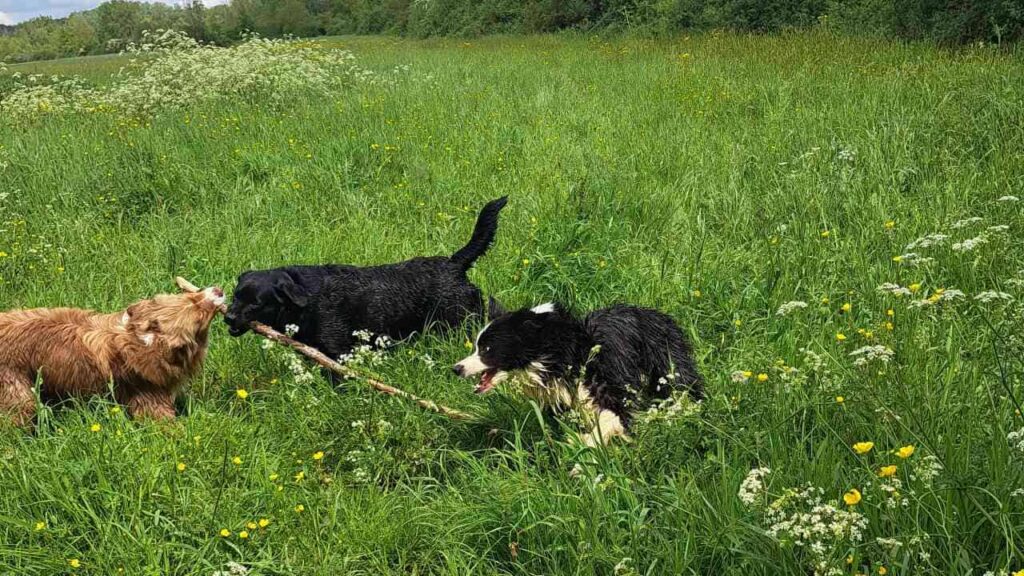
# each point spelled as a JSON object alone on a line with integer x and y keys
{"x": 486, "y": 382}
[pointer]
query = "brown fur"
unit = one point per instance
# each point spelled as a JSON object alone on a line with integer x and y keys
{"x": 147, "y": 352}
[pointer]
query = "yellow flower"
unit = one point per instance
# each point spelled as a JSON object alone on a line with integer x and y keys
{"x": 737, "y": 322}
{"x": 882, "y": 570}
{"x": 115, "y": 410}
{"x": 696, "y": 293}
{"x": 251, "y": 525}
{"x": 914, "y": 287}
{"x": 863, "y": 447}
{"x": 824, "y": 301}
{"x": 300, "y": 476}
{"x": 264, "y": 522}
{"x": 890, "y": 224}
{"x": 1019, "y": 572}
{"x": 40, "y": 526}
{"x": 852, "y": 498}
{"x": 181, "y": 466}
{"x": 847, "y": 307}
{"x": 890, "y": 312}
{"x": 840, "y": 336}
{"x": 236, "y": 461}
{"x": 224, "y": 532}
{"x": 300, "y": 508}
{"x": 467, "y": 345}
{"x": 826, "y": 233}
{"x": 906, "y": 451}
{"x": 318, "y": 456}
{"x": 243, "y": 534}
{"x": 74, "y": 563}
{"x": 95, "y": 428}
{"x": 747, "y": 373}
{"x": 887, "y": 471}
{"x": 526, "y": 261}
{"x": 889, "y": 326}
{"x": 897, "y": 259}
{"x": 242, "y": 393}
{"x": 840, "y": 399}
{"x": 274, "y": 477}
{"x": 762, "y": 377}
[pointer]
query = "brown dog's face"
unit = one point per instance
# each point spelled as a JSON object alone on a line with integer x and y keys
{"x": 179, "y": 321}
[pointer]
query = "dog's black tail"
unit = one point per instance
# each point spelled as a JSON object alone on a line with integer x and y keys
{"x": 483, "y": 234}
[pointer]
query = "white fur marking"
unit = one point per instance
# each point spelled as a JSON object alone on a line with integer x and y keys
{"x": 126, "y": 319}
{"x": 472, "y": 365}
{"x": 608, "y": 426}
{"x": 147, "y": 339}
{"x": 545, "y": 308}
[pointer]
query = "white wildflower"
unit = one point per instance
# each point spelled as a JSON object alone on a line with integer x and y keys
{"x": 966, "y": 222}
{"x": 1008, "y": 198}
{"x": 752, "y": 486}
{"x": 927, "y": 241}
{"x": 291, "y": 330}
{"x": 1016, "y": 440}
{"x": 867, "y": 354}
{"x": 970, "y": 244}
{"x": 789, "y": 307}
{"x": 740, "y": 376}
{"x": 990, "y": 295}
{"x": 894, "y": 289}
{"x": 998, "y": 228}
{"x": 914, "y": 259}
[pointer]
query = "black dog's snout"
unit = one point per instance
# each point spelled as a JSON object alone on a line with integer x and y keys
{"x": 458, "y": 369}
{"x": 230, "y": 317}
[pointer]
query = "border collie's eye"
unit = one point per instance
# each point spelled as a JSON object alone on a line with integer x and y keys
{"x": 487, "y": 349}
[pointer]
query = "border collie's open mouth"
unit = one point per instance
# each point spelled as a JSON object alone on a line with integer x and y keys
{"x": 486, "y": 381}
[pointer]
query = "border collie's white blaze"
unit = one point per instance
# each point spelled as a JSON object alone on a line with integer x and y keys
{"x": 591, "y": 365}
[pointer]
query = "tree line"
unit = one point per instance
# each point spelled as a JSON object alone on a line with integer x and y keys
{"x": 112, "y": 24}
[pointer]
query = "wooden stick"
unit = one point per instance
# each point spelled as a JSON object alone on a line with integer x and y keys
{"x": 345, "y": 371}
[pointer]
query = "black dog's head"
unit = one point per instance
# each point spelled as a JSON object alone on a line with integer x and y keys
{"x": 263, "y": 296}
{"x": 535, "y": 340}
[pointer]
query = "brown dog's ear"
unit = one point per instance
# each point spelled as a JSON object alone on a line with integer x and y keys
{"x": 494, "y": 308}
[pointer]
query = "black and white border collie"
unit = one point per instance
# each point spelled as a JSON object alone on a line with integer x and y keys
{"x": 606, "y": 365}
{"x": 328, "y": 303}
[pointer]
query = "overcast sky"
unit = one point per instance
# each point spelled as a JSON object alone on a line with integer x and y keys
{"x": 14, "y": 11}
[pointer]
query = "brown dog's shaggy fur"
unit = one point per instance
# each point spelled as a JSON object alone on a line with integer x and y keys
{"x": 147, "y": 351}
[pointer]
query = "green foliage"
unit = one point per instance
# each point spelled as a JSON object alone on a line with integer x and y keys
{"x": 116, "y": 22}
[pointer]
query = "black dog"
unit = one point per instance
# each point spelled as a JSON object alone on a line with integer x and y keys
{"x": 626, "y": 355}
{"x": 328, "y": 303}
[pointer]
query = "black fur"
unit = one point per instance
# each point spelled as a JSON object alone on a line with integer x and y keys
{"x": 638, "y": 348}
{"x": 330, "y": 302}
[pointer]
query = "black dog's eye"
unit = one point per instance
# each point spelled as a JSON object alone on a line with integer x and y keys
{"x": 487, "y": 349}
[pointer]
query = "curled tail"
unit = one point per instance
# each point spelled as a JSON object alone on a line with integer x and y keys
{"x": 483, "y": 234}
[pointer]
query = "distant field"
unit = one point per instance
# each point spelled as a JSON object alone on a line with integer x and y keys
{"x": 716, "y": 177}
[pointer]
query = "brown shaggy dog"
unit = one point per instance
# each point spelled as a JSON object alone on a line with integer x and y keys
{"x": 147, "y": 352}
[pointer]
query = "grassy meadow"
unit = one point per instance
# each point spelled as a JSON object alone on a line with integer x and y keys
{"x": 716, "y": 177}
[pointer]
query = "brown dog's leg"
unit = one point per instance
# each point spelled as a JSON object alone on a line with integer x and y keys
{"x": 150, "y": 403}
{"x": 16, "y": 399}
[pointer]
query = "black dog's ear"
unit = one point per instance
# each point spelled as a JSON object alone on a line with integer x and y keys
{"x": 494, "y": 308}
{"x": 287, "y": 291}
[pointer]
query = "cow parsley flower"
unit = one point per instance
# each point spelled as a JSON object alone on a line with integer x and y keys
{"x": 867, "y": 354}
{"x": 894, "y": 289}
{"x": 927, "y": 241}
{"x": 752, "y": 486}
{"x": 966, "y": 222}
{"x": 990, "y": 295}
{"x": 970, "y": 244}
{"x": 789, "y": 307}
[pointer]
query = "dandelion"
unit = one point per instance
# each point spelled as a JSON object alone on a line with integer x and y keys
{"x": 897, "y": 258}
{"x": 242, "y": 393}
{"x": 826, "y": 233}
{"x": 225, "y": 533}
{"x": 300, "y": 476}
{"x": 762, "y": 377}
{"x": 914, "y": 288}
{"x": 790, "y": 307}
{"x": 243, "y": 534}
{"x": 882, "y": 571}
{"x": 95, "y": 428}
{"x": 299, "y": 508}
{"x": 181, "y": 467}
{"x": 75, "y": 563}
{"x": 526, "y": 261}
{"x": 251, "y": 525}
{"x": 852, "y": 497}
{"x": 840, "y": 399}
{"x": 863, "y": 447}
{"x": 273, "y": 477}
{"x": 318, "y": 455}
{"x": 840, "y": 337}
{"x": 889, "y": 224}
{"x": 695, "y": 293}
{"x": 115, "y": 410}
{"x": 263, "y": 522}
{"x": 887, "y": 471}
{"x": 40, "y": 526}
{"x": 890, "y": 312}
{"x": 236, "y": 461}
{"x": 846, "y": 307}
{"x": 737, "y": 323}
{"x": 905, "y": 451}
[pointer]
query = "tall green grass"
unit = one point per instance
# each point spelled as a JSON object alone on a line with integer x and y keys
{"x": 714, "y": 177}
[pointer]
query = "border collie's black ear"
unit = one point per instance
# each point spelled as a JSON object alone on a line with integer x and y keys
{"x": 494, "y": 308}
{"x": 286, "y": 290}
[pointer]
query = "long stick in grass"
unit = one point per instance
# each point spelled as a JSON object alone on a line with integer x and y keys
{"x": 340, "y": 369}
